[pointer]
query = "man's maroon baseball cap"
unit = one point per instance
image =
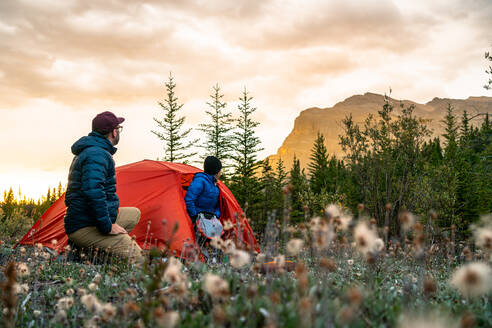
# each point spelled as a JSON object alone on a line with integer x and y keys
{"x": 106, "y": 122}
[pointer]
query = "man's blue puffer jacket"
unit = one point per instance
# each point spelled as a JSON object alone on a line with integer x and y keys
{"x": 202, "y": 195}
{"x": 91, "y": 193}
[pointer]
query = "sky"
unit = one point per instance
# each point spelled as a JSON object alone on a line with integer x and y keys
{"x": 62, "y": 62}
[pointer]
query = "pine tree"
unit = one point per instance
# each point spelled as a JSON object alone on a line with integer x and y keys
{"x": 171, "y": 124}
{"x": 318, "y": 167}
{"x": 244, "y": 184}
{"x": 218, "y": 139}
{"x": 299, "y": 185}
{"x": 451, "y": 135}
{"x": 9, "y": 203}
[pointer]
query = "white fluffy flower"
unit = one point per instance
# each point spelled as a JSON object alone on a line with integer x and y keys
{"x": 239, "y": 258}
{"x": 294, "y": 246}
{"x": 473, "y": 279}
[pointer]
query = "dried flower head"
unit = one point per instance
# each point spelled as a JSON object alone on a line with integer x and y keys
{"x": 61, "y": 315}
{"x": 473, "y": 279}
{"x": 167, "y": 319}
{"x": 294, "y": 246}
{"x": 425, "y": 321}
{"x": 239, "y": 258}
{"x": 366, "y": 238}
{"x": 22, "y": 269}
{"x": 483, "y": 238}
{"x": 54, "y": 242}
{"x": 21, "y": 288}
{"x": 344, "y": 222}
{"x": 108, "y": 311}
{"x": 328, "y": 264}
{"x": 228, "y": 225}
{"x": 215, "y": 286}
{"x": 91, "y": 302}
{"x": 407, "y": 220}
{"x": 97, "y": 278}
{"x": 332, "y": 211}
{"x": 92, "y": 286}
{"x": 64, "y": 303}
{"x": 173, "y": 274}
{"x": 22, "y": 250}
{"x": 321, "y": 233}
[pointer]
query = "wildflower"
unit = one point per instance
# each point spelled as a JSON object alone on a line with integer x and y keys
{"x": 344, "y": 222}
{"x": 108, "y": 311}
{"x": 93, "y": 322}
{"x": 21, "y": 288}
{"x": 39, "y": 246}
{"x": 22, "y": 250}
{"x": 354, "y": 296}
{"x": 261, "y": 258}
{"x": 332, "y": 211}
{"x": 69, "y": 281}
{"x": 167, "y": 319}
{"x": 81, "y": 291}
{"x": 216, "y": 286}
{"x": 64, "y": 303}
{"x": 61, "y": 315}
{"x": 425, "y": 321}
{"x": 294, "y": 246}
{"x": 430, "y": 286}
{"x": 322, "y": 233}
{"x": 97, "y": 278}
{"x": 229, "y": 246}
{"x": 350, "y": 262}
{"x": 378, "y": 245}
{"x": 173, "y": 274}
{"x": 36, "y": 313}
{"x": 91, "y": 302}
{"x": 473, "y": 279}
{"x": 54, "y": 242}
{"x": 67, "y": 248}
{"x": 279, "y": 261}
{"x": 70, "y": 292}
{"x": 228, "y": 225}
{"x": 365, "y": 238}
{"x": 328, "y": 264}
{"x": 22, "y": 269}
{"x": 92, "y": 286}
{"x": 239, "y": 258}
{"x": 483, "y": 238}
{"x": 407, "y": 220}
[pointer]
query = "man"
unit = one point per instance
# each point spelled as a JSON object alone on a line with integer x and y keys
{"x": 93, "y": 219}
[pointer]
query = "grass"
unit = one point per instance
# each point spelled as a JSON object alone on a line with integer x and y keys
{"x": 347, "y": 289}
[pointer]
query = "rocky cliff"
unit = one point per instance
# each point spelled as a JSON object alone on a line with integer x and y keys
{"x": 328, "y": 121}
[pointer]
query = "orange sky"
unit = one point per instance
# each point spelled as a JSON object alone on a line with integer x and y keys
{"x": 62, "y": 62}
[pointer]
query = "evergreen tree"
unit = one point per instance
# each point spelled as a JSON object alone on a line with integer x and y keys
{"x": 8, "y": 204}
{"x": 299, "y": 186}
{"x": 245, "y": 186}
{"x": 451, "y": 134}
{"x": 318, "y": 167}
{"x": 172, "y": 125}
{"x": 218, "y": 139}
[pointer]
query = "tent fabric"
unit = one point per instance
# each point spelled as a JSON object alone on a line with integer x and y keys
{"x": 157, "y": 189}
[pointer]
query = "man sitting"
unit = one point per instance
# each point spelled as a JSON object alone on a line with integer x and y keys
{"x": 93, "y": 219}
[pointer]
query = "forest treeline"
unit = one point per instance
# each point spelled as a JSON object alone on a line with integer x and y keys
{"x": 392, "y": 165}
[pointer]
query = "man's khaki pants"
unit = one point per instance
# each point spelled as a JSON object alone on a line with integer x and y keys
{"x": 120, "y": 245}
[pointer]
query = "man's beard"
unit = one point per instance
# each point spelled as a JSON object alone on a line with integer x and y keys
{"x": 116, "y": 139}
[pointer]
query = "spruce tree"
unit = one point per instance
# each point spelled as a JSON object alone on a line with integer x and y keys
{"x": 246, "y": 144}
{"x": 172, "y": 127}
{"x": 298, "y": 182}
{"x": 318, "y": 167}
{"x": 218, "y": 140}
{"x": 451, "y": 134}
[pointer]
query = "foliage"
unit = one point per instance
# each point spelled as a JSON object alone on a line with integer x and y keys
{"x": 171, "y": 125}
{"x": 244, "y": 183}
{"x": 218, "y": 139}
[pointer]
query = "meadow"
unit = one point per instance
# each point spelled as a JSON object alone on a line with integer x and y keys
{"x": 332, "y": 271}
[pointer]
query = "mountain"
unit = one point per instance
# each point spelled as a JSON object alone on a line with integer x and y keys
{"x": 328, "y": 121}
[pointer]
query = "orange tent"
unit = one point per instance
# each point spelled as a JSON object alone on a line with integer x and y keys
{"x": 157, "y": 189}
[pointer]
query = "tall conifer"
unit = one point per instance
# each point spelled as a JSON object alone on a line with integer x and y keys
{"x": 176, "y": 147}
